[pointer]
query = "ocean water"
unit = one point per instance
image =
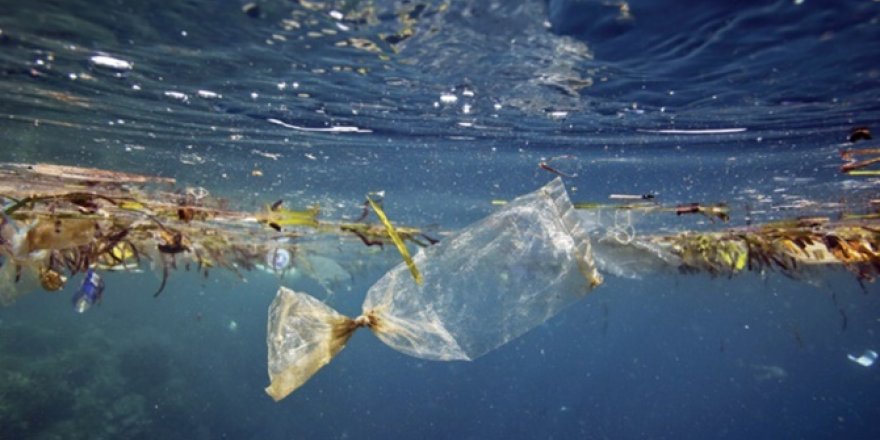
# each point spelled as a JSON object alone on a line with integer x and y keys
{"x": 446, "y": 106}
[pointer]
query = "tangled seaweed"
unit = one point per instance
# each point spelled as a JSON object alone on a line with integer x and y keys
{"x": 58, "y": 222}
{"x": 785, "y": 249}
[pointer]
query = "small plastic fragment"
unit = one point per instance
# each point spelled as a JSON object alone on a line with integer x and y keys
{"x": 57, "y": 221}
{"x": 325, "y": 271}
{"x": 89, "y": 292}
{"x": 111, "y": 62}
{"x": 867, "y": 358}
{"x": 564, "y": 166}
{"x": 278, "y": 259}
{"x": 251, "y": 9}
{"x": 303, "y": 335}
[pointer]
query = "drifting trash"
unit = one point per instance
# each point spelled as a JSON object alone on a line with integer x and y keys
{"x": 325, "y": 271}
{"x": 448, "y": 98}
{"x": 59, "y": 221}
{"x": 859, "y": 134}
{"x": 566, "y": 165}
{"x": 251, "y": 9}
{"x": 720, "y": 211}
{"x": 867, "y": 358}
{"x": 89, "y": 293}
{"x": 177, "y": 95}
{"x": 111, "y": 63}
{"x": 696, "y": 131}
{"x": 47, "y": 175}
{"x": 207, "y": 94}
{"x": 483, "y": 287}
{"x": 278, "y": 259}
{"x": 854, "y": 166}
{"x": 333, "y": 129}
{"x": 647, "y": 196}
{"x": 794, "y": 248}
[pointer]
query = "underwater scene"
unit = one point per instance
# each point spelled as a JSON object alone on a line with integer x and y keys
{"x": 443, "y": 219}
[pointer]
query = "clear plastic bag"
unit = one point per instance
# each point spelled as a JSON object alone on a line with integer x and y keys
{"x": 490, "y": 283}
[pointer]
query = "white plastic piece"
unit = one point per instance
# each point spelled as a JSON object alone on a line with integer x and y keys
{"x": 867, "y": 358}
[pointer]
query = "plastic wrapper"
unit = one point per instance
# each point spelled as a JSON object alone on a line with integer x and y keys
{"x": 617, "y": 240}
{"x": 304, "y": 335}
{"x": 15, "y": 281}
{"x": 483, "y": 287}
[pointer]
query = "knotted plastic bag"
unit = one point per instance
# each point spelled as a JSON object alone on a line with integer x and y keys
{"x": 491, "y": 282}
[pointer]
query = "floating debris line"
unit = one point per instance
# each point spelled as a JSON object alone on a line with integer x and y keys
{"x": 455, "y": 299}
{"x": 59, "y": 221}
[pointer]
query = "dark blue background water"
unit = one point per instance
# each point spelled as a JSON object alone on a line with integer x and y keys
{"x": 666, "y": 356}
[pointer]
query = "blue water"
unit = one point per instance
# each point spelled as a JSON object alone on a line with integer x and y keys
{"x": 666, "y": 356}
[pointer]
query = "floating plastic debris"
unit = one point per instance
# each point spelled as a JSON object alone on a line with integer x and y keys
{"x": 336, "y": 129}
{"x": 696, "y": 132}
{"x": 483, "y": 287}
{"x": 793, "y": 247}
{"x": 278, "y": 259}
{"x": 89, "y": 293}
{"x": 251, "y": 10}
{"x": 60, "y": 221}
{"x": 207, "y": 94}
{"x": 111, "y": 63}
{"x": 273, "y": 156}
{"x": 448, "y": 98}
{"x": 565, "y": 165}
{"x": 647, "y": 196}
{"x": 191, "y": 159}
{"x": 855, "y": 161}
{"x": 325, "y": 271}
{"x": 177, "y": 95}
{"x": 867, "y": 358}
{"x": 76, "y": 175}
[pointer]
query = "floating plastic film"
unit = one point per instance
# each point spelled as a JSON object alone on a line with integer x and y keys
{"x": 492, "y": 282}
